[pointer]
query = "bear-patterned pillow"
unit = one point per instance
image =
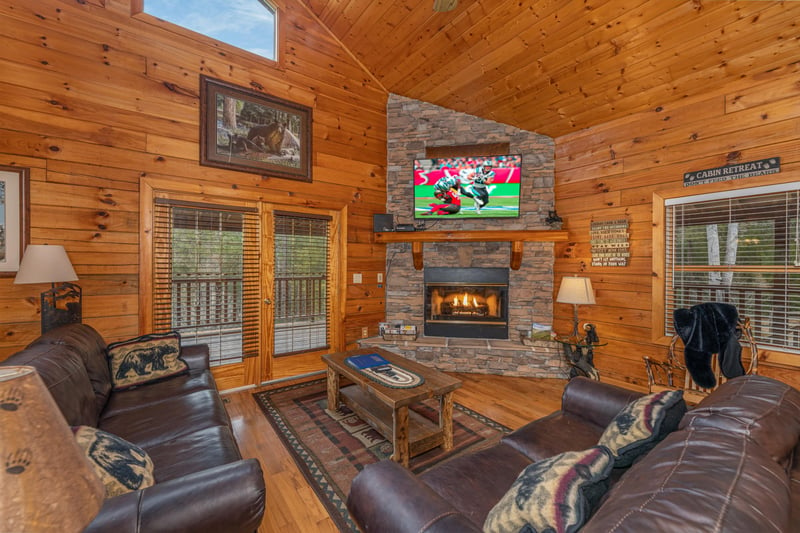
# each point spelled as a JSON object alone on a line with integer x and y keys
{"x": 557, "y": 494}
{"x": 121, "y": 466}
{"x": 145, "y": 359}
{"x": 642, "y": 424}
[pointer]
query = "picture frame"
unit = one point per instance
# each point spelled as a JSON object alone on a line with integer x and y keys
{"x": 249, "y": 131}
{"x": 14, "y": 217}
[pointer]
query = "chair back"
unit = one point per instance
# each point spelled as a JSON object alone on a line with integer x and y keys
{"x": 661, "y": 375}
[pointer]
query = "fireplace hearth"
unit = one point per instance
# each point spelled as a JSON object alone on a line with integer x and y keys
{"x": 466, "y": 302}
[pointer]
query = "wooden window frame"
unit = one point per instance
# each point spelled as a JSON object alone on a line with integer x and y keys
{"x": 660, "y": 198}
{"x": 137, "y": 11}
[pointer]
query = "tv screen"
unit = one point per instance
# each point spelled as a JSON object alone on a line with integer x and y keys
{"x": 467, "y": 187}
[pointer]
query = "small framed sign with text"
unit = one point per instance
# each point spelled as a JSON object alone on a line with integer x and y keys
{"x": 610, "y": 243}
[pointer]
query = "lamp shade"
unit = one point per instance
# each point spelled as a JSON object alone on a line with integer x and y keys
{"x": 45, "y": 263}
{"x": 575, "y": 290}
{"x": 46, "y": 483}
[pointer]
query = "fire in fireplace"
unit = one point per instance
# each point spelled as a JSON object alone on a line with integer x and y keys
{"x": 466, "y": 305}
{"x": 466, "y": 302}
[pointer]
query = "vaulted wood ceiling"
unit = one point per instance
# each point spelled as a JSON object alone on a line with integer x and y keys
{"x": 557, "y": 66}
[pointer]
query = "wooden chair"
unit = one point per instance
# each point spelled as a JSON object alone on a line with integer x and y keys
{"x": 665, "y": 375}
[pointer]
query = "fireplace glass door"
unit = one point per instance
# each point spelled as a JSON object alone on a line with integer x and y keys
{"x": 469, "y": 304}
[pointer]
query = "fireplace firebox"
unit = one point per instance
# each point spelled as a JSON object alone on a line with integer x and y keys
{"x": 466, "y": 302}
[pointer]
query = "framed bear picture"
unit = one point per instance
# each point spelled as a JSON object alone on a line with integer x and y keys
{"x": 249, "y": 131}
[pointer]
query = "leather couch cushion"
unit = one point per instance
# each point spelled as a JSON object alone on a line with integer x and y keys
{"x": 225, "y": 499}
{"x": 604, "y": 398}
{"x": 698, "y": 480}
{"x": 196, "y": 356}
{"x": 133, "y": 399}
{"x": 763, "y": 409}
{"x": 193, "y": 452}
{"x": 553, "y": 434}
{"x": 63, "y": 373}
{"x": 88, "y": 343}
{"x": 237, "y": 504}
{"x": 167, "y": 420}
{"x": 473, "y": 483}
{"x": 405, "y": 504}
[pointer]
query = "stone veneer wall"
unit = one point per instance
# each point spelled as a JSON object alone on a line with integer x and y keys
{"x": 412, "y": 126}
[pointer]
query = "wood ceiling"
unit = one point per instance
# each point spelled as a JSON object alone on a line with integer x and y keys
{"x": 557, "y": 66}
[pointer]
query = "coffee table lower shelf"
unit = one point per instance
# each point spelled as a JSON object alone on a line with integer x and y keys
{"x": 423, "y": 435}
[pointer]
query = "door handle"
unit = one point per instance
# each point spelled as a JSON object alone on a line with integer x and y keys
{"x": 267, "y": 301}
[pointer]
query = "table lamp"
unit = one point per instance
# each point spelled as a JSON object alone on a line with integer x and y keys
{"x": 44, "y": 263}
{"x": 46, "y": 482}
{"x": 576, "y": 291}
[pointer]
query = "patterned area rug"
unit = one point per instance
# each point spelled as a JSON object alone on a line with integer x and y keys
{"x": 331, "y": 448}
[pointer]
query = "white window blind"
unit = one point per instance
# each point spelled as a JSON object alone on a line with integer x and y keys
{"x": 205, "y": 277}
{"x": 302, "y": 282}
{"x": 741, "y": 249}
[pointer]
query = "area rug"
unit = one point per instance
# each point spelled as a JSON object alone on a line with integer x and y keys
{"x": 331, "y": 448}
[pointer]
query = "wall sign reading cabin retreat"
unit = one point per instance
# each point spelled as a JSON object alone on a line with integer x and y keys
{"x": 736, "y": 171}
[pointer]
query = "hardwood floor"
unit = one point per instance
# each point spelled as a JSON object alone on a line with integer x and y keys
{"x": 292, "y": 506}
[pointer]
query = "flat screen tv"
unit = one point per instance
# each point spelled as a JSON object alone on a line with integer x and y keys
{"x": 467, "y": 187}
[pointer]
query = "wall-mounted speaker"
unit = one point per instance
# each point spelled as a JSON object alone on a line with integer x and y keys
{"x": 382, "y": 222}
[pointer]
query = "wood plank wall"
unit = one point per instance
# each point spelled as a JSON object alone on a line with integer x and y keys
{"x": 613, "y": 170}
{"x": 93, "y": 99}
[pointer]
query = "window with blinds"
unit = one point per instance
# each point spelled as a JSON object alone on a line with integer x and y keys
{"x": 206, "y": 277}
{"x": 302, "y": 284}
{"x": 739, "y": 248}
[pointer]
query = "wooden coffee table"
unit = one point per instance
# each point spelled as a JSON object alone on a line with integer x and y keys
{"x": 386, "y": 409}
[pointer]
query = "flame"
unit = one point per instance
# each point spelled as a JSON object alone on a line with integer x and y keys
{"x": 464, "y": 301}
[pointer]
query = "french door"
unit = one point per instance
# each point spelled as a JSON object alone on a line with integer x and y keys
{"x": 254, "y": 281}
{"x": 302, "y": 253}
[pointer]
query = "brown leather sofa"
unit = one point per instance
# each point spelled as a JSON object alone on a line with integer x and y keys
{"x": 201, "y": 481}
{"x": 733, "y": 465}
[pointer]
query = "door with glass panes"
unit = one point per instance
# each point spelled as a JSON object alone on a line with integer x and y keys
{"x": 252, "y": 282}
{"x": 301, "y": 314}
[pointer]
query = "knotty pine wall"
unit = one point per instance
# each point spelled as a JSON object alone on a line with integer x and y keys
{"x": 613, "y": 170}
{"x": 93, "y": 100}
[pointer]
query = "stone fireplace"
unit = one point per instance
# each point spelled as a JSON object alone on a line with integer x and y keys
{"x": 466, "y": 302}
{"x": 413, "y": 128}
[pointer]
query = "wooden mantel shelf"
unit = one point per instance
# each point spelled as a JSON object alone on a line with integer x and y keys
{"x": 516, "y": 238}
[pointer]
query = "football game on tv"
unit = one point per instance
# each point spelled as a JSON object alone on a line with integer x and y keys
{"x": 467, "y": 187}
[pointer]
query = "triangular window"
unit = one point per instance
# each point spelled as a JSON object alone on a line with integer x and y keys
{"x": 251, "y": 25}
